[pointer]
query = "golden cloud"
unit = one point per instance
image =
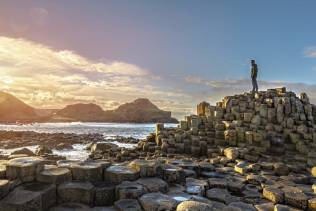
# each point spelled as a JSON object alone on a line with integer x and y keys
{"x": 45, "y": 77}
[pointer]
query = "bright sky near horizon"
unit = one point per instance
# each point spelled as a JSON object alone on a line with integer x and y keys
{"x": 176, "y": 53}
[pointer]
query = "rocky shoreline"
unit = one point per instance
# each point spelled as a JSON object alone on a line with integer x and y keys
{"x": 247, "y": 153}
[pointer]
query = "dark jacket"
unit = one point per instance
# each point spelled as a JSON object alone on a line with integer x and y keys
{"x": 254, "y": 71}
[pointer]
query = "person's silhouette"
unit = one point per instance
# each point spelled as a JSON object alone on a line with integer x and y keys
{"x": 254, "y": 73}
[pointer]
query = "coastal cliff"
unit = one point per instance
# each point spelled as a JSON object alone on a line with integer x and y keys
{"x": 139, "y": 111}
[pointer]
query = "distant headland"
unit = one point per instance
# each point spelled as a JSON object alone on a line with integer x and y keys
{"x": 141, "y": 110}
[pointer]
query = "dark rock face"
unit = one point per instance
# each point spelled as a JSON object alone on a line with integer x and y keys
{"x": 13, "y": 109}
{"x": 81, "y": 112}
{"x": 139, "y": 111}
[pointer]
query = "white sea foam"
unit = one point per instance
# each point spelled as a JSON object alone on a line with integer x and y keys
{"x": 109, "y": 130}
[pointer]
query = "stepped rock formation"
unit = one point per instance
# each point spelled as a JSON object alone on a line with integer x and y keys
{"x": 271, "y": 122}
{"x": 13, "y": 109}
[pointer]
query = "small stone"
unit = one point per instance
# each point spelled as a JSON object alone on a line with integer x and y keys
{"x": 102, "y": 147}
{"x": 231, "y": 153}
{"x": 241, "y": 167}
{"x": 23, "y": 151}
{"x": 127, "y": 205}
{"x": 157, "y": 201}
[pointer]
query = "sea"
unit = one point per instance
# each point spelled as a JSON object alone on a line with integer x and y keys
{"x": 109, "y": 131}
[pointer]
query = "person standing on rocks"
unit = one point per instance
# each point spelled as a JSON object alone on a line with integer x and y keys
{"x": 254, "y": 73}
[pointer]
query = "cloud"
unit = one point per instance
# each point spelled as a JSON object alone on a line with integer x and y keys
{"x": 45, "y": 77}
{"x": 310, "y": 52}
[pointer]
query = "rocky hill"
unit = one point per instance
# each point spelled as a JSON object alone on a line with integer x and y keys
{"x": 14, "y": 110}
{"x": 140, "y": 111}
{"x": 80, "y": 112}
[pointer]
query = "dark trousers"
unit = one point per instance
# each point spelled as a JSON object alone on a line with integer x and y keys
{"x": 254, "y": 85}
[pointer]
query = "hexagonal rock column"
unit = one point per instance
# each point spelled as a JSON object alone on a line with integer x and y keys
{"x": 66, "y": 163}
{"x": 146, "y": 168}
{"x": 30, "y": 196}
{"x": 2, "y": 171}
{"x": 193, "y": 205}
{"x": 24, "y": 169}
{"x": 87, "y": 171}
{"x": 21, "y": 200}
{"x": 129, "y": 190}
{"x": 196, "y": 187}
{"x": 4, "y": 188}
{"x": 241, "y": 206}
{"x": 81, "y": 192}
{"x": 127, "y": 205}
{"x": 47, "y": 192}
{"x": 173, "y": 174}
{"x": 104, "y": 194}
{"x": 118, "y": 173}
{"x": 273, "y": 194}
{"x": 296, "y": 199}
{"x": 153, "y": 184}
{"x": 281, "y": 207}
{"x": 54, "y": 175}
{"x": 70, "y": 206}
{"x": 157, "y": 201}
{"x": 221, "y": 195}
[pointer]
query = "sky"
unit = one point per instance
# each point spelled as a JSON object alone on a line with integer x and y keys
{"x": 177, "y": 53}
